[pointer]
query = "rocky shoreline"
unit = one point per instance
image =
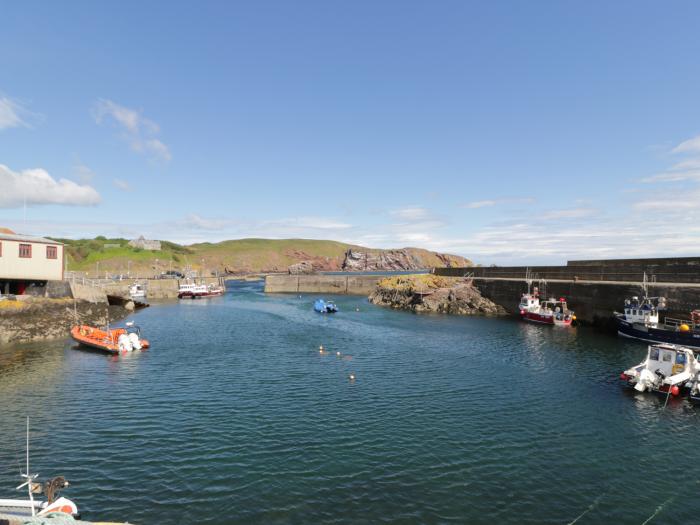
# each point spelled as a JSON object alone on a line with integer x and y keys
{"x": 40, "y": 319}
{"x": 429, "y": 293}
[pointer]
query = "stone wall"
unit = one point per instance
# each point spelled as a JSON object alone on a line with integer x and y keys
{"x": 593, "y": 302}
{"x": 331, "y": 284}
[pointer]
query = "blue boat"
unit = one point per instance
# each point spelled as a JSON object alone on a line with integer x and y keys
{"x": 324, "y": 307}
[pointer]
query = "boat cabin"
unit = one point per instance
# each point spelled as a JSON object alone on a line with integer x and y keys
{"x": 666, "y": 365}
{"x": 642, "y": 312}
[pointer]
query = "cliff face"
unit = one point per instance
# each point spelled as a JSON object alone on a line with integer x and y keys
{"x": 428, "y": 293}
{"x": 398, "y": 260}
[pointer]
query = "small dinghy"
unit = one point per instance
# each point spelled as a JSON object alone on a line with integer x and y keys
{"x": 113, "y": 340}
{"x": 667, "y": 369}
{"x": 325, "y": 307}
{"x": 21, "y": 509}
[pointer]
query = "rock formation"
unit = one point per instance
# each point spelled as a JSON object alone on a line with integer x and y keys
{"x": 301, "y": 268}
{"x": 429, "y": 293}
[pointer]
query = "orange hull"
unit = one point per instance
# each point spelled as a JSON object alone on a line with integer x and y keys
{"x": 100, "y": 339}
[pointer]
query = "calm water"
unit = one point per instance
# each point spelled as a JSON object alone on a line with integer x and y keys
{"x": 233, "y": 416}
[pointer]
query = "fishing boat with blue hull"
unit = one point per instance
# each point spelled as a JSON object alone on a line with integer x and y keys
{"x": 640, "y": 320}
{"x": 325, "y": 307}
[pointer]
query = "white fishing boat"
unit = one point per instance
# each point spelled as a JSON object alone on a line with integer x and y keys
{"x": 51, "y": 504}
{"x": 551, "y": 311}
{"x": 191, "y": 290}
{"x": 137, "y": 291}
{"x": 668, "y": 369}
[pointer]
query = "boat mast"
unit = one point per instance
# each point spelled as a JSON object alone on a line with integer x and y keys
{"x": 28, "y": 476}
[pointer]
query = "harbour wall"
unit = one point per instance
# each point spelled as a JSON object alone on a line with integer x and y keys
{"x": 593, "y": 301}
{"x": 667, "y": 270}
{"x": 331, "y": 284}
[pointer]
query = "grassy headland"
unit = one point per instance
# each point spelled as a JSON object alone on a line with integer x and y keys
{"x": 115, "y": 256}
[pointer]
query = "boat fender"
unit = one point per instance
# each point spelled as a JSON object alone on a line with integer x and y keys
{"x": 124, "y": 343}
{"x": 134, "y": 340}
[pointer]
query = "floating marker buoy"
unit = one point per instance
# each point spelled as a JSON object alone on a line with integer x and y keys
{"x": 352, "y": 377}
{"x": 357, "y": 309}
{"x": 338, "y": 354}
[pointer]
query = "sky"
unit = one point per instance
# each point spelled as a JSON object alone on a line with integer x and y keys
{"x": 508, "y": 132}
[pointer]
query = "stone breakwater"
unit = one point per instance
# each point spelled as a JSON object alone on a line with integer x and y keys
{"x": 37, "y": 319}
{"x": 428, "y": 293}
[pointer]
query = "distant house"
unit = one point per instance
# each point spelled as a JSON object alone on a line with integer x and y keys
{"x": 145, "y": 244}
{"x": 27, "y": 260}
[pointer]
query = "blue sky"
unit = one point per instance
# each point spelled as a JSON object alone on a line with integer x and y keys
{"x": 508, "y": 132}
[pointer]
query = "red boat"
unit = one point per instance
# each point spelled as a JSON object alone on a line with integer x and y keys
{"x": 551, "y": 311}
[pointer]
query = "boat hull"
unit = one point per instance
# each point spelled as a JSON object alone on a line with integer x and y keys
{"x": 657, "y": 335}
{"x": 533, "y": 317}
{"x": 100, "y": 339}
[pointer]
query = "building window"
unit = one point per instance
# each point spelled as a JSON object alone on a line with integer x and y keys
{"x": 25, "y": 251}
{"x": 51, "y": 252}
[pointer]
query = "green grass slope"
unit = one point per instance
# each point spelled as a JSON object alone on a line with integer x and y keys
{"x": 115, "y": 256}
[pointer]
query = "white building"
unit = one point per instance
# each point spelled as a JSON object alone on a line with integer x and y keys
{"x": 26, "y": 261}
{"x": 145, "y": 244}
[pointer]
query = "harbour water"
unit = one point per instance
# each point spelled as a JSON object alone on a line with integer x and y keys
{"x": 233, "y": 416}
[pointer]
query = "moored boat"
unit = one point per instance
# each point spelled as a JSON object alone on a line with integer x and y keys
{"x": 551, "y": 311}
{"x": 111, "y": 340}
{"x": 325, "y": 307}
{"x": 192, "y": 290}
{"x": 137, "y": 291}
{"x": 54, "y": 504}
{"x": 640, "y": 320}
{"x": 668, "y": 369}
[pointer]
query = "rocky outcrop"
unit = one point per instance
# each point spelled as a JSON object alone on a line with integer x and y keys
{"x": 301, "y": 268}
{"x": 428, "y": 293}
{"x": 399, "y": 260}
{"x": 39, "y": 319}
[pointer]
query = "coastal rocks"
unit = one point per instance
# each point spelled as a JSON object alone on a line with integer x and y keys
{"x": 388, "y": 260}
{"x": 428, "y": 293}
{"x": 39, "y": 319}
{"x": 301, "y": 268}
{"x": 398, "y": 260}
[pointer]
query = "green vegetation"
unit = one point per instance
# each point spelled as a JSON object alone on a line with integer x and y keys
{"x": 115, "y": 256}
{"x": 413, "y": 282}
{"x": 84, "y": 254}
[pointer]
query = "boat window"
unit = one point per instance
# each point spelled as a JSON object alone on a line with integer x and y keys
{"x": 667, "y": 356}
{"x": 654, "y": 354}
{"x": 680, "y": 359}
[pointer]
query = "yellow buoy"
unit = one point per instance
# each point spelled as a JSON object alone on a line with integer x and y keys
{"x": 685, "y": 328}
{"x": 573, "y": 317}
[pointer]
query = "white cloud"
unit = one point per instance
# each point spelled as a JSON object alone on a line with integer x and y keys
{"x": 36, "y": 187}
{"x": 479, "y": 204}
{"x": 572, "y": 213}
{"x": 122, "y": 185}
{"x": 414, "y": 213}
{"x": 689, "y": 146}
{"x": 200, "y": 223}
{"x": 474, "y": 205}
{"x": 10, "y": 112}
{"x": 83, "y": 173}
{"x": 138, "y": 131}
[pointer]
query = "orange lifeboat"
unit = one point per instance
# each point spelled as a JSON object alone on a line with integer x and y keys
{"x": 113, "y": 341}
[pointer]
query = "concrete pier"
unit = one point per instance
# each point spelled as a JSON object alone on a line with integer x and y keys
{"x": 593, "y": 289}
{"x": 593, "y": 301}
{"x": 332, "y": 284}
